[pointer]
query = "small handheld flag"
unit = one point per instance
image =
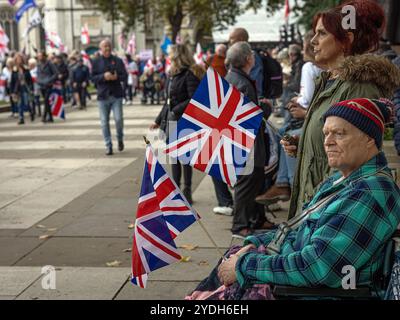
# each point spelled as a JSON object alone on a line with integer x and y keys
{"x": 162, "y": 214}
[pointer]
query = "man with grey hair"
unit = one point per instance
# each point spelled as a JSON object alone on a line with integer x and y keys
{"x": 108, "y": 74}
{"x": 247, "y": 214}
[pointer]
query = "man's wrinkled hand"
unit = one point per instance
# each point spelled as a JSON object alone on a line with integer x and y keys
{"x": 226, "y": 270}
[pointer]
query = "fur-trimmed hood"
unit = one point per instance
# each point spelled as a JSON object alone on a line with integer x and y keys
{"x": 371, "y": 68}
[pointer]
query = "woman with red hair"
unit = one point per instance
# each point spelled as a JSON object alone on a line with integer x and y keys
{"x": 350, "y": 73}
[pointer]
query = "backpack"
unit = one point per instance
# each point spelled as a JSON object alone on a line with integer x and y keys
{"x": 273, "y": 77}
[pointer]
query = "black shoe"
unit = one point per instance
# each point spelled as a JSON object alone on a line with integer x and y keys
{"x": 109, "y": 151}
{"x": 188, "y": 195}
{"x": 32, "y": 117}
{"x": 121, "y": 146}
{"x": 21, "y": 121}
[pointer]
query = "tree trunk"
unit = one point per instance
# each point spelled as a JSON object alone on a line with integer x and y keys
{"x": 175, "y": 21}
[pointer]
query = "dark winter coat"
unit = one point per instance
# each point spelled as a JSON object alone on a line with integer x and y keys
{"x": 15, "y": 84}
{"x": 180, "y": 89}
{"x": 46, "y": 75}
{"x": 106, "y": 89}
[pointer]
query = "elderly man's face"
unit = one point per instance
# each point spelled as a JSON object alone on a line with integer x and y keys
{"x": 345, "y": 145}
{"x": 105, "y": 48}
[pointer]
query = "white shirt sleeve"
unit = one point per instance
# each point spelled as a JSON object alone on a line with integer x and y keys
{"x": 309, "y": 73}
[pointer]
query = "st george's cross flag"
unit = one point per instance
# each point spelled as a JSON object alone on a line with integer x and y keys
{"x": 162, "y": 214}
{"x": 56, "y": 101}
{"x": 217, "y": 130}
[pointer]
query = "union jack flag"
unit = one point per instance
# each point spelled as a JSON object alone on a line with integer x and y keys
{"x": 217, "y": 130}
{"x": 56, "y": 101}
{"x": 162, "y": 214}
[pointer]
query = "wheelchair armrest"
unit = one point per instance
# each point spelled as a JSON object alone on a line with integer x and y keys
{"x": 299, "y": 292}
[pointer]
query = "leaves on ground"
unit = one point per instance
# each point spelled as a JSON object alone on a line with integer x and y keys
{"x": 40, "y": 226}
{"x": 189, "y": 247}
{"x": 44, "y": 236}
{"x": 128, "y": 250}
{"x": 115, "y": 263}
{"x": 131, "y": 226}
{"x": 185, "y": 259}
{"x": 203, "y": 263}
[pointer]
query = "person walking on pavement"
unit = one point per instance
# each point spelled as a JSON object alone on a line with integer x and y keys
{"x": 80, "y": 80}
{"x": 47, "y": 75}
{"x": 21, "y": 87}
{"x": 109, "y": 74}
{"x": 184, "y": 78}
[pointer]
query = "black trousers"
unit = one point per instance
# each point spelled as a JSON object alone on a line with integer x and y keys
{"x": 187, "y": 175}
{"x": 47, "y": 108}
{"x": 247, "y": 213}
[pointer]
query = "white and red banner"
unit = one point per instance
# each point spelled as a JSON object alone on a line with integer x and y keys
{"x": 4, "y": 40}
{"x": 85, "y": 38}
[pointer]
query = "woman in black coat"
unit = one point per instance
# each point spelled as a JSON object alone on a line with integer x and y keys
{"x": 184, "y": 78}
{"x": 21, "y": 87}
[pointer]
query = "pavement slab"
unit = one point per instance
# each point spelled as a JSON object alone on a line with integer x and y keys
{"x": 83, "y": 251}
{"x": 13, "y": 249}
{"x": 15, "y": 280}
{"x": 79, "y": 284}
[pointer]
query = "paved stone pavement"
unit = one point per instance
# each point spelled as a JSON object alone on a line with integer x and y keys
{"x": 64, "y": 203}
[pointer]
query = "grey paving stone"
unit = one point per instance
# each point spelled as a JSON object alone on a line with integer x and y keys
{"x": 89, "y": 252}
{"x": 13, "y": 249}
{"x": 99, "y": 225}
{"x": 15, "y": 280}
{"x": 80, "y": 284}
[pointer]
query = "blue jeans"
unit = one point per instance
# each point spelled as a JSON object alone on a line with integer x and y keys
{"x": 105, "y": 107}
{"x": 23, "y": 103}
{"x": 287, "y": 165}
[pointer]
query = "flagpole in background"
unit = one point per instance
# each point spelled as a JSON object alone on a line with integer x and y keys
{"x": 72, "y": 23}
{"x": 198, "y": 220}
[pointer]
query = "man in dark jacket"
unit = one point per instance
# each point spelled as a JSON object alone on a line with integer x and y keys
{"x": 80, "y": 80}
{"x": 108, "y": 74}
{"x": 63, "y": 73}
{"x": 248, "y": 215}
{"x": 47, "y": 75}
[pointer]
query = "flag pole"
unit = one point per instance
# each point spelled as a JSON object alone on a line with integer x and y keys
{"x": 198, "y": 220}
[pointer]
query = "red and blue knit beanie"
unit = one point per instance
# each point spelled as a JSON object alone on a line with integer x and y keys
{"x": 368, "y": 115}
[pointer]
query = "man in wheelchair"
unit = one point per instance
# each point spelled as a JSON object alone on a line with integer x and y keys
{"x": 347, "y": 224}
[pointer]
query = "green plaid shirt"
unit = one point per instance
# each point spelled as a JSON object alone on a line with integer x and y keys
{"x": 350, "y": 229}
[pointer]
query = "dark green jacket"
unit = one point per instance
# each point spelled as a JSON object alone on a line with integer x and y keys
{"x": 364, "y": 76}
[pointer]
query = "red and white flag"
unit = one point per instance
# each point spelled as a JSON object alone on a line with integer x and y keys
{"x": 85, "y": 38}
{"x": 4, "y": 40}
{"x": 199, "y": 55}
{"x": 86, "y": 60}
{"x": 287, "y": 11}
{"x": 131, "y": 48}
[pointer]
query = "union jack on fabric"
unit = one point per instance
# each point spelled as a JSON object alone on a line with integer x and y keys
{"x": 217, "y": 130}
{"x": 162, "y": 214}
{"x": 56, "y": 101}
